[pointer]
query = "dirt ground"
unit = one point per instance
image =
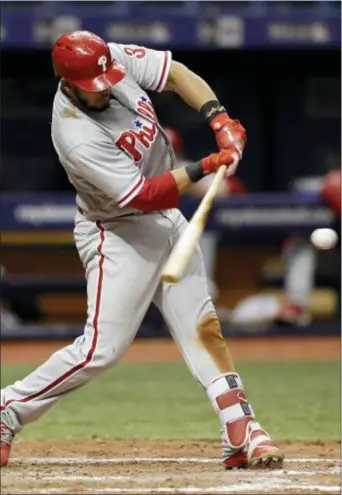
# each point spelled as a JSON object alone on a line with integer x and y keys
{"x": 163, "y": 467}
{"x": 246, "y": 348}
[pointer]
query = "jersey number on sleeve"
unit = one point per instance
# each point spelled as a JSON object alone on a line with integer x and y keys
{"x": 135, "y": 52}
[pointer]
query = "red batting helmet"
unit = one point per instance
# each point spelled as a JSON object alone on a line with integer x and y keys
{"x": 84, "y": 59}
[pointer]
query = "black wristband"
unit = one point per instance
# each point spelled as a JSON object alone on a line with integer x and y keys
{"x": 195, "y": 171}
{"x": 211, "y": 109}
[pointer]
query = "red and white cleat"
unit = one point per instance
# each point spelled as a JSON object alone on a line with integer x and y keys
{"x": 262, "y": 452}
{"x": 7, "y": 436}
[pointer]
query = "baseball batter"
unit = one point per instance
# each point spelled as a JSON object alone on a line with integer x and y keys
{"x": 108, "y": 139}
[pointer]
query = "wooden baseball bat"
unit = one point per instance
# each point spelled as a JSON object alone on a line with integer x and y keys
{"x": 181, "y": 254}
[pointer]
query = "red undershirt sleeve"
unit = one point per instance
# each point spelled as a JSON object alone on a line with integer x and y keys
{"x": 158, "y": 193}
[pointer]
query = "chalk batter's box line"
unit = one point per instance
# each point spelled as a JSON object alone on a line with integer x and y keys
{"x": 149, "y": 460}
{"x": 236, "y": 488}
{"x": 53, "y": 475}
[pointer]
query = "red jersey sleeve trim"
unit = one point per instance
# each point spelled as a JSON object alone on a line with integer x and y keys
{"x": 164, "y": 73}
{"x": 133, "y": 191}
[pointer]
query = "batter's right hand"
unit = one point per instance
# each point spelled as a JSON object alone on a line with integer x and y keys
{"x": 213, "y": 162}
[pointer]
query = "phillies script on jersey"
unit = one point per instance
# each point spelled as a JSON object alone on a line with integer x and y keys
{"x": 131, "y": 140}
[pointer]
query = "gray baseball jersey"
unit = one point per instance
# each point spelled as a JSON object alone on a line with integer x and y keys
{"x": 108, "y": 154}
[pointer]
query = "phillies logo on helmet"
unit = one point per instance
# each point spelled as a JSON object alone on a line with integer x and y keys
{"x": 136, "y": 142}
{"x": 103, "y": 62}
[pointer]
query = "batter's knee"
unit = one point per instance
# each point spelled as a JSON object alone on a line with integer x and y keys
{"x": 104, "y": 358}
{"x": 108, "y": 351}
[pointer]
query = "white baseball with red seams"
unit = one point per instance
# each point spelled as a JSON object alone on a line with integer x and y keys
{"x": 107, "y": 156}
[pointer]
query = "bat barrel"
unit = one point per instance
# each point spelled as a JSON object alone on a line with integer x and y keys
{"x": 180, "y": 256}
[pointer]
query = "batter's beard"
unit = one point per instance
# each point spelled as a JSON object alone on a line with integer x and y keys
{"x": 84, "y": 103}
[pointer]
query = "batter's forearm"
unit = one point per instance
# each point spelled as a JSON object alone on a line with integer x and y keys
{"x": 182, "y": 179}
{"x": 162, "y": 192}
{"x": 189, "y": 86}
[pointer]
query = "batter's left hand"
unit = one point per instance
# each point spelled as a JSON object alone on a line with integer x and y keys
{"x": 213, "y": 162}
{"x": 229, "y": 132}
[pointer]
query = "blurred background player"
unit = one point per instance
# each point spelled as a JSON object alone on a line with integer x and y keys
{"x": 300, "y": 255}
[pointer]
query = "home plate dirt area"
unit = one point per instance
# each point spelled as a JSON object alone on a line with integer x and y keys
{"x": 159, "y": 466}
